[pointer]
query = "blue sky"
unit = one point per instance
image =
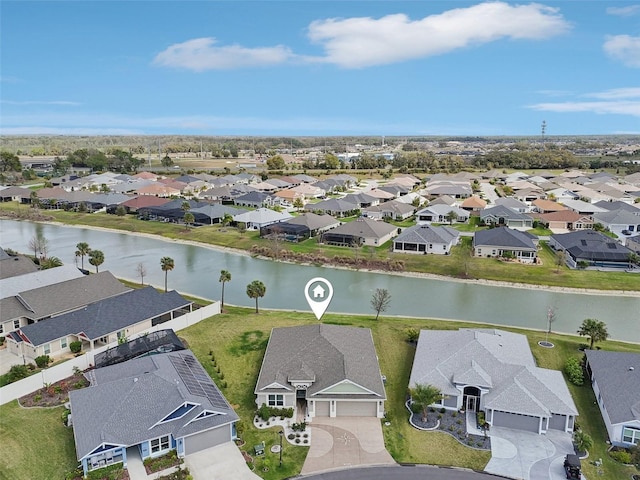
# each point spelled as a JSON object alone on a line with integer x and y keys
{"x": 320, "y": 67}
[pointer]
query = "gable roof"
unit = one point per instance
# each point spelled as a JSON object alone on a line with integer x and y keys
{"x": 365, "y": 228}
{"x": 330, "y": 353}
{"x": 498, "y": 360}
{"x": 105, "y": 316}
{"x": 501, "y": 211}
{"x": 505, "y": 237}
{"x": 589, "y": 244}
{"x": 262, "y": 216}
{"x": 427, "y": 234}
{"x": 126, "y": 401}
{"x": 618, "y": 377}
{"x": 40, "y": 278}
{"x": 313, "y": 221}
{"x": 15, "y": 265}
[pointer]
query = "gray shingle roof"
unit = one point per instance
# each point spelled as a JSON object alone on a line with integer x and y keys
{"x": 106, "y": 316}
{"x": 126, "y": 401}
{"x": 12, "y": 266}
{"x": 592, "y": 245}
{"x": 502, "y": 211}
{"x": 313, "y": 221}
{"x": 330, "y": 353}
{"x": 619, "y": 384}
{"x": 62, "y": 297}
{"x": 505, "y": 237}
{"x": 427, "y": 234}
{"x": 37, "y": 279}
{"x": 496, "y": 359}
{"x": 365, "y": 228}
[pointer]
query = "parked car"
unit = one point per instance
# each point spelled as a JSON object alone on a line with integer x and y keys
{"x": 572, "y": 466}
{"x": 626, "y": 232}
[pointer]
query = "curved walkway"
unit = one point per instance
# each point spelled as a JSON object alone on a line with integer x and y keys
{"x": 345, "y": 442}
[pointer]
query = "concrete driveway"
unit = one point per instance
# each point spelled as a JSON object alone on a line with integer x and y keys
{"x": 528, "y": 456}
{"x": 221, "y": 462}
{"x": 345, "y": 442}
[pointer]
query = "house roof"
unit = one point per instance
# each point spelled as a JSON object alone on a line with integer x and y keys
{"x": 501, "y": 211}
{"x": 592, "y": 245}
{"x": 618, "y": 377}
{"x": 563, "y": 216}
{"x": 330, "y": 353}
{"x": 15, "y": 265}
{"x": 580, "y": 206}
{"x": 394, "y": 206}
{"x": 126, "y": 401}
{"x": 145, "y": 201}
{"x": 365, "y": 228}
{"x": 494, "y": 359}
{"x": 262, "y": 216}
{"x": 427, "y": 234}
{"x": 333, "y": 205}
{"x": 510, "y": 202}
{"x": 36, "y": 279}
{"x": 105, "y": 316}
{"x": 253, "y": 196}
{"x": 443, "y": 209}
{"x": 61, "y": 297}
{"x": 617, "y": 217}
{"x": 474, "y": 202}
{"x": 505, "y": 237}
{"x": 548, "y": 205}
{"x": 313, "y": 221}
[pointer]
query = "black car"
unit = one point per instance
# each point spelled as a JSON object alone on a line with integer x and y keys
{"x": 572, "y": 466}
{"x": 626, "y": 232}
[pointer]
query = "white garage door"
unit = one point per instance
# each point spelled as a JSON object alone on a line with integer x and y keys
{"x": 322, "y": 409}
{"x": 356, "y": 409}
{"x": 210, "y": 438}
{"x": 515, "y": 421}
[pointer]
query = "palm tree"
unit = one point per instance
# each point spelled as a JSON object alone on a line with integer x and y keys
{"x": 256, "y": 289}
{"x": 225, "y": 276}
{"x": 424, "y": 395}
{"x": 582, "y": 440}
{"x": 596, "y": 330}
{"x": 82, "y": 249}
{"x": 96, "y": 258}
{"x": 167, "y": 264}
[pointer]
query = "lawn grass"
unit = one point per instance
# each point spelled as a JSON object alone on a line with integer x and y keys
{"x": 237, "y": 340}
{"x": 35, "y": 443}
{"x": 458, "y": 264}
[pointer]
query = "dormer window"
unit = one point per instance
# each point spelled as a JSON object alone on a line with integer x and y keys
{"x": 179, "y": 412}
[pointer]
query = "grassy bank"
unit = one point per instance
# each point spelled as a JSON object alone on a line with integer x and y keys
{"x": 237, "y": 339}
{"x": 460, "y": 264}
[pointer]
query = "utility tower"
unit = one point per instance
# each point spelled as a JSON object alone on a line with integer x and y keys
{"x": 543, "y": 130}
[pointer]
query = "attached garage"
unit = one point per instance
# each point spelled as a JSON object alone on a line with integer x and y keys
{"x": 210, "y": 438}
{"x": 557, "y": 422}
{"x": 357, "y": 409}
{"x": 322, "y": 409}
{"x": 515, "y": 421}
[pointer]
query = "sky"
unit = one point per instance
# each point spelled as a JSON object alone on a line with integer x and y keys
{"x": 319, "y": 68}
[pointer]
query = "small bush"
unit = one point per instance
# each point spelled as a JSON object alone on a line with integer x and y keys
{"x": 454, "y": 414}
{"x": 76, "y": 346}
{"x": 291, "y": 436}
{"x": 443, "y": 410}
{"x": 459, "y": 421}
{"x": 297, "y": 440}
{"x": 573, "y": 370}
{"x": 451, "y": 428}
{"x": 43, "y": 361}
{"x": 621, "y": 456}
{"x": 412, "y": 335}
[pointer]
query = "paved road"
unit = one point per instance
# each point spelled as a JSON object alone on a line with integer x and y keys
{"x": 420, "y": 472}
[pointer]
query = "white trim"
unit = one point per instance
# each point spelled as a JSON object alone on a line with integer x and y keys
{"x": 276, "y": 385}
{"x": 347, "y": 381}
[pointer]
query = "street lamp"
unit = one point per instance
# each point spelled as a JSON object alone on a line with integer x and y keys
{"x": 281, "y": 433}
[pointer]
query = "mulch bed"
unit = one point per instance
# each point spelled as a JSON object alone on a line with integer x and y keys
{"x": 55, "y": 394}
{"x": 456, "y": 426}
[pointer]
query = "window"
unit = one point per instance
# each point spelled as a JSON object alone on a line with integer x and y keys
{"x": 63, "y": 343}
{"x": 160, "y": 444}
{"x": 1, "y": 328}
{"x": 276, "y": 400}
{"x": 16, "y": 324}
{"x": 631, "y": 435}
{"x": 47, "y": 349}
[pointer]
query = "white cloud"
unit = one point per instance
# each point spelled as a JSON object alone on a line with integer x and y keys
{"x": 39, "y": 102}
{"x": 363, "y": 42}
{"x": 627, "y": 11}
{"x": 623, "y": 48}
{"x": 619, "y": 101}
{"x": 202, "y": 54}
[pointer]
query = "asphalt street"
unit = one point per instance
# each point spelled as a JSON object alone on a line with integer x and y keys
{"x": 421, "y": 472}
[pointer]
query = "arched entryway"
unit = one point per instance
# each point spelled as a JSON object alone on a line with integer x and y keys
{"x": 471, "y": 399}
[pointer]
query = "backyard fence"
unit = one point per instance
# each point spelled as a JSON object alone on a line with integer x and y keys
{"x": 66, "y": 369}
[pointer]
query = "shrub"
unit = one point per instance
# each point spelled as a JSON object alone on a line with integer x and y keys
{"x": 17, "y": 372}
{"x": 76, "y": 346}
{"x": 635, "y": 455}
{"x": 412, "y": 335}
{"x": 291, "y": 436}
{"x": 1, "y": 340}
{"x": 43, "y": 361}
{"x": 65, "y": 416}
{"x": 459, "y": 421}
{"x": 573, "y": 370}
{"x": 454, "y": 414}
{"x": 443, "y": 410}
{"x": 621, "y": 456}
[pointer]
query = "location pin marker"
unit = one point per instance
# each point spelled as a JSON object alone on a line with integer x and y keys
{"x": 319, "y": 293}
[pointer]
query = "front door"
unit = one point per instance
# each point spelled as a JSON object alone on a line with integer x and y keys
{"x": 472, "y": 403}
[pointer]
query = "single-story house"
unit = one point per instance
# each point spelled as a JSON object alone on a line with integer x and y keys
{"x": 423, "y": 239}
{"x": 585, "y": 208}
{"x": 499, "y": 242}
{"x": 257, "y": 219}
{"x": 474, "y": 204}
{"x": 547, "y": 206}
{"x": 362, "y": 200}
{"x": 439, "y": 213}
{"x": 256, "y": 199}
{"x": 633, "y": 244}
{"x": 363, "y": 231}
{"x": 100, "y": 323}
{"x": 394, "y": 209}
{"x": 618, "y": 220}
{"x": 214, "y": 213}
{"x": 501, "y": 215}
{"x": 592, "y": 248}
{"x": 493, "y": 371}
{"x": 513, "y": 204}
{"x": 147, "y": 407}
{"x": 322, "y": 370}
{"x": 564, "y": 220}
{"x": 335, "y": 207}
{"x": 14, "y": 193}
{"x": 301, "y": 227}
{"x": 615, "y": 378}
{"x": 14, "y": 266}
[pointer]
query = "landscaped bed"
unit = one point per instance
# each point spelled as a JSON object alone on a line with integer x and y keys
{"x": 54, "y": 394}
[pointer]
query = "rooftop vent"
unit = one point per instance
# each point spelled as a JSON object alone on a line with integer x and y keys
{"x": 631, "y": 369}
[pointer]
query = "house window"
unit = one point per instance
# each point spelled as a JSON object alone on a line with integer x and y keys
{"x": 1, "y": 328}
{"x": 16, "y": 324}
{"x": 276, "y": 400}
{"x": 47, "y": 349}
{"x": 631, "y": 435}
{"x": 63, "y": 343}
{"x": 160, "y": 444}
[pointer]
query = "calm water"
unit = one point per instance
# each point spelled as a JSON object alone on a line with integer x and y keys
{"x": 197, "y": 270}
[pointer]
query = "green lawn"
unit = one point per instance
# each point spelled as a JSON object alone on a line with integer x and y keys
{"x": 457, "y": 265}
{"x": 35, "y": 444}
{"x": 237, "y": 340}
